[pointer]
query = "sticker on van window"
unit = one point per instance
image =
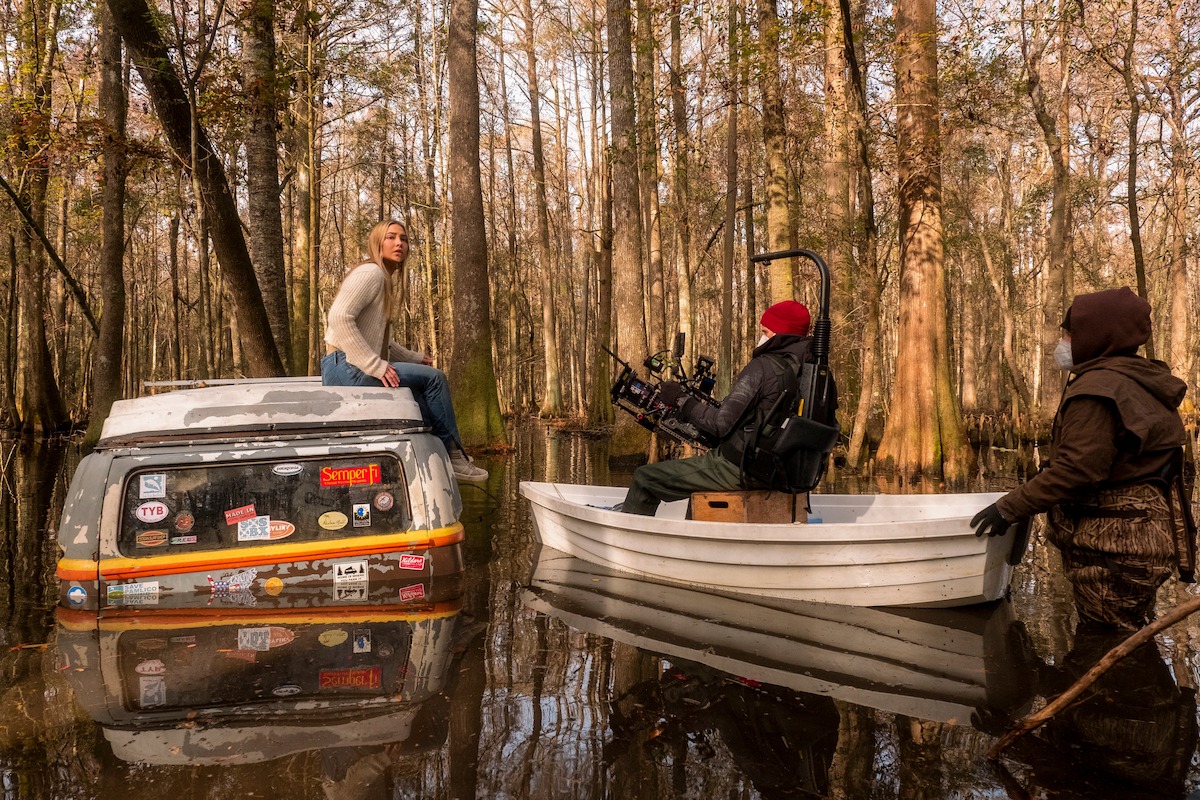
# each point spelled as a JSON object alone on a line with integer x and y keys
{"x": 287, "y": 470}
{"x": 281, "y": 529}
{"x": 235, "y": 515}
{"x": 153, "y": 511}
{"x": 384, "y": 501}
{"x": 351, "y": 476}
{"x": 254, "y": 529}
{"x": 151, "y": 538}
{"x": 332, "y": 520}
{"x": 152, "y": 486}
{"x": 362, "y": 515}
{"x": 184, "y": 521}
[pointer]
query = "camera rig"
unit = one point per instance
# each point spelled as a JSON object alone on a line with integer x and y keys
{"x": 640, "y": 397}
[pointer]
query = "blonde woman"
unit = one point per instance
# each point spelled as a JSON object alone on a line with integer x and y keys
{"x": 360, "y": 350}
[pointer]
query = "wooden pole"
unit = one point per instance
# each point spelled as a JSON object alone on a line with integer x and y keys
{"x": 1110, "y": 658}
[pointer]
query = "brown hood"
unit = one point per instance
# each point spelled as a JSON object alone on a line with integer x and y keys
{"x": 1115, "y": 322}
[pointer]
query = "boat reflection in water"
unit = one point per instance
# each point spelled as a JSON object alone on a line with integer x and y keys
{"x": 212, "y": 679}
{"x": 961, "y": 666}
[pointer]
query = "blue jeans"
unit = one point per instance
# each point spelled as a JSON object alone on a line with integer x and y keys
{"x": 429, "y": 387}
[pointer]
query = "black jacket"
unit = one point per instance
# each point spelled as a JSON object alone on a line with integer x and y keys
{"x": 754, "y": 391}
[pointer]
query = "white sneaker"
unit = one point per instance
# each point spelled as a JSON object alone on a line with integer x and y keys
{"x": 465, "y": 469}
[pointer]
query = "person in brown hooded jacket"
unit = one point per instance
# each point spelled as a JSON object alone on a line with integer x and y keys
{"x": 1112, "y": 487}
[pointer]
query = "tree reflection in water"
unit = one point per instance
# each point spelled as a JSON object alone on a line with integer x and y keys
{"x": 534, "y": 705}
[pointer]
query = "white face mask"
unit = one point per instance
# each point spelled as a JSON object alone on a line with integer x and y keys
{"x": 1062, "y": 356}
{"x": 763, "y": 340}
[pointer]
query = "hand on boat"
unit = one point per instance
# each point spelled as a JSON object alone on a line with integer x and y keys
{"x": 669, "y": 392}
{"x": 990, "y": 521}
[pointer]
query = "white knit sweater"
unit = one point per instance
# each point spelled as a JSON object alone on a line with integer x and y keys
{"x": 358, "y": 322}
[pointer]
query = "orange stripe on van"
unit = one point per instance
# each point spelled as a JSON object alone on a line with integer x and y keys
{"x": 82, "y": 569}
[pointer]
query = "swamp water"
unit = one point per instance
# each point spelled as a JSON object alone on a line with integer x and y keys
{"x": 546, "y": 677}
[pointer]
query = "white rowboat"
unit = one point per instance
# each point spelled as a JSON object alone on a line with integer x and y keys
{"x": 867, "y": 550}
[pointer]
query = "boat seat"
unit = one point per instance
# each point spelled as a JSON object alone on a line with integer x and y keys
{"x": 750, "y": 506}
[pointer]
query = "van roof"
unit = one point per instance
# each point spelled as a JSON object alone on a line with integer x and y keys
{"x": 258, "y": 407}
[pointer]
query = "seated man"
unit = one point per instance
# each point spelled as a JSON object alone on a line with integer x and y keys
{"x": 784, "y": 337}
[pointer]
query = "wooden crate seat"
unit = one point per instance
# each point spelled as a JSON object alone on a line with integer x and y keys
{"x": 750, "y": 506}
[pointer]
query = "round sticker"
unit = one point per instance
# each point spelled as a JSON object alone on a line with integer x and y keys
{"x": 333, "y": 520}
{"x": 287, "y": 690}
{"x": 77, "y": 595}
{"x": 287, "y": 470}
{"x": 154, "y": 511}
{"x": 184, "y": 521}
{"x": 384, "y": 501}
{"x": 273, "y": 586}
{"x": 332, "y": 638}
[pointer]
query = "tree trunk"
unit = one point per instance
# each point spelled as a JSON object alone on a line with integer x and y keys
{"x": 135, "y": 20}
{"x": 853, "y": 19}
{"x": 114, "y": 100}
{"x": 725, "y": 357}
{"x": 39, "y": 403}
{"x": 924, "y": 432}
{"x": 476, "y": 402}
{"x": 264, "y": 89}
{"x": 838, "y": 199}
{"x": 647, "y": 117}
{"x": 628, "y": 305}
{"x": 600, "y": 410}
{"x": 1058, "y": 245}
{"x": 1181, "y": 224}
{"x": 552, "y": 401}
{"x": 680, "y": 190}
{"x": 775, "y": 144}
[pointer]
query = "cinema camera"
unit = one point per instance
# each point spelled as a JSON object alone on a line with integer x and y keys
{"x": 640, "y": 398}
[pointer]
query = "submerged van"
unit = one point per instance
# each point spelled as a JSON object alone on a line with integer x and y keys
{"x": 247, "y": 490}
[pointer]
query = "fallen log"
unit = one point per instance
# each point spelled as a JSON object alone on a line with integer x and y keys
{"x": 1110, "y": 658}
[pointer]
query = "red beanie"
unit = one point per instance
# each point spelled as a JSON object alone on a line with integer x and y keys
{"x": 788, "y": 317}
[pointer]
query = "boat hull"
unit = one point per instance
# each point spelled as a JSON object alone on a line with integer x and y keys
{"x": 868, "y": 550}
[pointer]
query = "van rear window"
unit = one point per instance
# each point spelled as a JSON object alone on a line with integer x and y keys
{"x": 230, "y": 505}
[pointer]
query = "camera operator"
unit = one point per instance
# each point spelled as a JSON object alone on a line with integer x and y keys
{"x": 785, "y": 341}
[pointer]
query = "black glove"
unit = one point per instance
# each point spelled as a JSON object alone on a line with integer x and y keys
{"x": 669, "y": 392}
{"x": 990, "y": 522}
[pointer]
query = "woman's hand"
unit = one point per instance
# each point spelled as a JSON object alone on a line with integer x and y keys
{"x": 427, "y": 360}
{"x": 390, "y": 378}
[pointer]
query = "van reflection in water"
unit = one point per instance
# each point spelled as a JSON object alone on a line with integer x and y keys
{"x": 351, "y": 683}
